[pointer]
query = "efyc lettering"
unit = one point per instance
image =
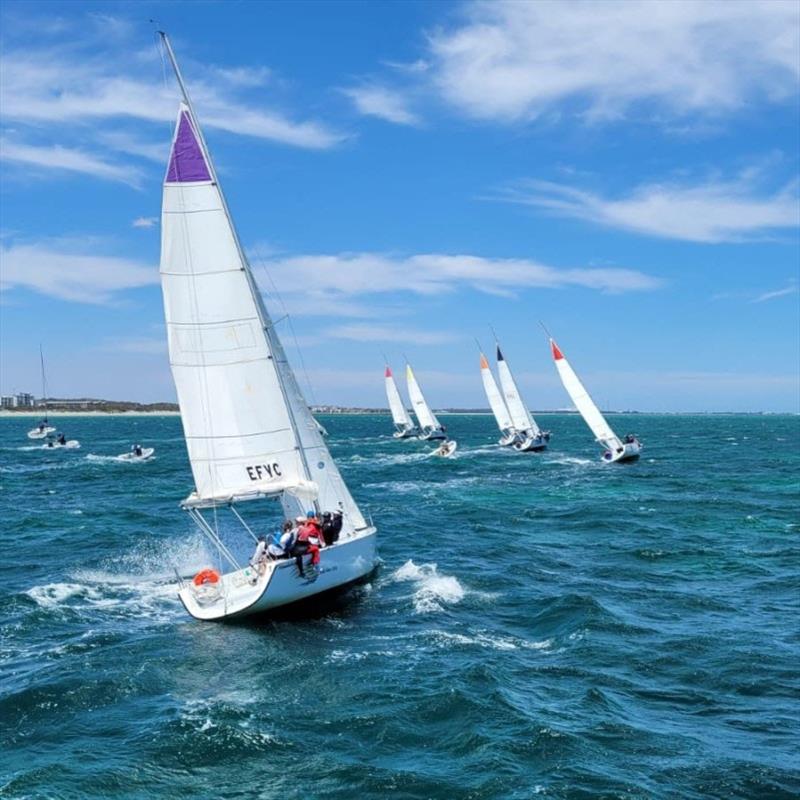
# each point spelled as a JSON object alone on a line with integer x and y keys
{"x": 260, "y": 472}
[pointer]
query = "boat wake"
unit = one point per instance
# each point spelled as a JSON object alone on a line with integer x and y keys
{"x": 144, "y": 586}
{"x": 122, "y": 459}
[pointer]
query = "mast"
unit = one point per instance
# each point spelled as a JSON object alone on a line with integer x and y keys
{"x": 276, "y": 349}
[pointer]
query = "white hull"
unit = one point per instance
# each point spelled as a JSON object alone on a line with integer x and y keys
{"x": 406, "y": 433}
{"x": 147, "y": 452}
{"x": 432, "y": 435}
{"x": 72, "y": 444}
{"x": 37, "y": 434}
{"x": 629, "y": 451}
{"x": 507, "y": 439}
{"x": 532, "y": 444}
{"x": 446, "y": 449}
{"x": 249, "y": 591}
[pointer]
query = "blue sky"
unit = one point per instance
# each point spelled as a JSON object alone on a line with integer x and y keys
{"x": 407, "y": 174}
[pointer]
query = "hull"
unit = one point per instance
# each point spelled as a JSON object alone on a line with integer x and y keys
{"x": 406, "y": 433}
{"x": 630, "y": 452}
{"x": 37, "y": 434}
{"x": 432, "y": 436}
{"x": 250, "y": 591}
{"x": 507, "y": 439}
{"x": 446, "y": 450}
{"x": 147, "y": 452}
{"x": 72, "y": 444}
{"x": 531, "y": 445}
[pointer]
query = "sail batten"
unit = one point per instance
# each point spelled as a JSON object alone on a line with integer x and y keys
{"x": 520, "y": 416}
{"x": 583, "y": 401}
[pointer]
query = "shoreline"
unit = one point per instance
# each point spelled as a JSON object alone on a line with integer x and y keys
{"x": 5, "y": 413}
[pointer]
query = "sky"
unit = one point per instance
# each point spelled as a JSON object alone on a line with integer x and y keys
{"x": 404, "y": 176}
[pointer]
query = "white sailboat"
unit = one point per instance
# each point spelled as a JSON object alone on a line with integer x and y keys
{"x": 405, "y": 428}
{"x": 44, "y": 428}
{"x": 248, "y": 429}
{"x": 530, "y": 437}
{"x": 430, "y": 428}
{"x": 616, "y": 449}
{"x": 498, "y": 405}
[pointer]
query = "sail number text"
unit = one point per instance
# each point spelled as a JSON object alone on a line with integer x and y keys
{"x": 260, "y": 472}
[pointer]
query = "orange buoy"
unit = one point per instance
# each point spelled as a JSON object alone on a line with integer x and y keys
{"x": 206, "y": 576}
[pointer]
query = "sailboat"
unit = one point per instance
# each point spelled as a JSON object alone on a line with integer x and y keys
{"x": 530, "y": 437}
{"x": 498, "y": 405}
{"x": 616, "y": 450}
{"x": 405, "y": 428}
{"x": 430, "y": 429}
{"x": 44, "y": 428}
{"x": 250, "y": 435}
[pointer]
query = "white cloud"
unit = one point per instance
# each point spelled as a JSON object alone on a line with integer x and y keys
{"x": 716, "y": 211}
{"x": 62, "y": 271}
{"x": 68, "y": 160}
{"x": 324, "y": 278}
{"x": 509, "y": 61}
{"x": 361, "y": 332}
{"x": 145, "y": 222}
{"x": 56, "y": 87}
{"x": 380, "y": 101}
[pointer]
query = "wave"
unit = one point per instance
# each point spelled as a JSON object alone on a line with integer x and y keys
{"x": 488, "y": 640}
{"x": 432, "y": 590}
{"x": 121, "y": 459}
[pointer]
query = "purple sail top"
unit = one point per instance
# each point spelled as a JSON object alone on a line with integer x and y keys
{"x": 186, "y": 164}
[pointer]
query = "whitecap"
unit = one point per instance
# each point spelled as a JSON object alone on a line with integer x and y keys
{"x": 431, "y": 588}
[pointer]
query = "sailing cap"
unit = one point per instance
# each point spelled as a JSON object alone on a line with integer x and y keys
{"x": 311, "y": 514}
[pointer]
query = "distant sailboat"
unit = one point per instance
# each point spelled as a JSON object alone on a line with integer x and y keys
{"x": 498, "y": 405}
{"x": 405, "y": 428}
{"x": 249, "y": 432}
{"x": 529, "y": 435}
{"x": 616, "y": 448}
{"x": 44, "y": 428}
{"x": 430, "y": 427}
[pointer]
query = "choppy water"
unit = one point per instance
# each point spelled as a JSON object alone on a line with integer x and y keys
{"x": 541, "y": 624}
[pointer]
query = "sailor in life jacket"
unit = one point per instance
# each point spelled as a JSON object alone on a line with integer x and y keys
{"x": 282, "y": 541}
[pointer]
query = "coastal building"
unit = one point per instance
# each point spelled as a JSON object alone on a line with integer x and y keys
{"x": 25, "y": 400}
{"x": 8, "y": 401}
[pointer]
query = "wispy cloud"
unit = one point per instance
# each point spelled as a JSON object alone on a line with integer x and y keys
{"x": 67, "y": 272}
{"x": 512, "y": 61}
{"x": 385, "y": 333}
{"x": 391, "y": 105}
{"x": 775, "y": 293}
{"x": 320, "y": 278}
{"x": 713, "y": 211}
{"x": 64, "y": 159}
{"x": 144, "y": 222}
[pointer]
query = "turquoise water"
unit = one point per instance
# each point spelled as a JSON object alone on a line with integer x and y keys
{"x": 541, "y": 625}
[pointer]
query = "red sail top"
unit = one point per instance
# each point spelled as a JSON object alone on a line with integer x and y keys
{"x": 557, "y": 354}
{"x": 484, "y": 362}
{"x": 388, "y": 372}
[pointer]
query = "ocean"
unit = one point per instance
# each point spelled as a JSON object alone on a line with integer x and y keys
{"x": 541, "y": 625}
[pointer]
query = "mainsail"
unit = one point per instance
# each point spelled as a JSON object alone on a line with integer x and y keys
{"x": 585, "y": 405}
{"x": 400, "y": 415}
{"x": 496, "y": 402}
{"x": 520, "y": 416}
{"x": 248, "y": 429}
{"x": 426, "y": 417}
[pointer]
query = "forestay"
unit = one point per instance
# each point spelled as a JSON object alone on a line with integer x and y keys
{"x": 496, "y": 402}
{"x": 426, "y": 417}
{"x": 400, "y": 415}
{"x": 520, "y": 416}
{"x": 585, "y": 405}
{"x": 248, "y": 429}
